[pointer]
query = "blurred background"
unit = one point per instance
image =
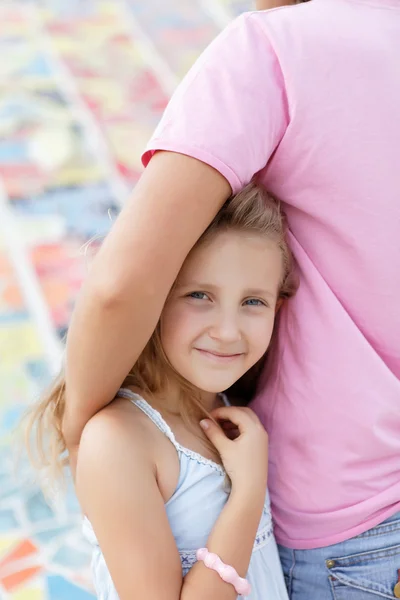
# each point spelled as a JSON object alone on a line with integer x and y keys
{"x": 83, "y": 84}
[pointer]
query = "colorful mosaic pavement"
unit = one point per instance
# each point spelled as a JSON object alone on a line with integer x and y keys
{"x": 82, "y": 85}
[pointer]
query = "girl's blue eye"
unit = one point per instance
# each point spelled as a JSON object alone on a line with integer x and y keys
{"x": 254, "y": 302}
{"x": 198, "y": 295}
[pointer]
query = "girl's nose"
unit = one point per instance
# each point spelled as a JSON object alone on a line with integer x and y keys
{"x": 226, "y": 329}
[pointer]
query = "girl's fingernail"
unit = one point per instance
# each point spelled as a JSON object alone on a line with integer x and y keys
{"x": 204, "y": 424}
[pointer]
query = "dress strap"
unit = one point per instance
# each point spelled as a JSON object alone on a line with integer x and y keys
{"x": 224, "y": 399}
{"x": 148, "y": 410}
{"x": 159, "y": 422}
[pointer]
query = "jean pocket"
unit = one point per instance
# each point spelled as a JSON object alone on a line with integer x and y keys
{"x": 366, "y": 575}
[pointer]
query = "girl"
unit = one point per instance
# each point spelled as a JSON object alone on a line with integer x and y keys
{"x": 166, "y": 492}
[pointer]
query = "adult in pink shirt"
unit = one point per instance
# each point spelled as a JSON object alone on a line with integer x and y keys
{"x": 308, "y": 98}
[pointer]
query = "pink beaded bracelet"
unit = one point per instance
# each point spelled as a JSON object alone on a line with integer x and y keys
{"x": 227, "y": 573}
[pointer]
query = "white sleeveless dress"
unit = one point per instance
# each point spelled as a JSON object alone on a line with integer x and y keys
{"x": 193, "y": 509}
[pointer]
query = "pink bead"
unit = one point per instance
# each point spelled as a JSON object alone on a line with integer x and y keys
{"x": 201, "y": 553}
{"x": 243, "y": 587}
{"x": 226, "y": 572}
{"x": 211, "y": 560}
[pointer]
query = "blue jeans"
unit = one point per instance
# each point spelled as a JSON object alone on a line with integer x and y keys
{"x": 362, "y": 568}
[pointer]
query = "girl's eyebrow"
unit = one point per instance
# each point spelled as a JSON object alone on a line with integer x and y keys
{"x": 197, "y": 285}
{"x": 260, "y": 292}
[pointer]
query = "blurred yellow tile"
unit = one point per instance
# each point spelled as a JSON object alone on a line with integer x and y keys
{"x": 31, "y": 592}
{"x": 19, "y": 342}
{"x": 6, "y": 543}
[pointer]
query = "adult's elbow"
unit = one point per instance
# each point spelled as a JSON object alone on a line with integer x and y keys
{"x": 109, "y": 290}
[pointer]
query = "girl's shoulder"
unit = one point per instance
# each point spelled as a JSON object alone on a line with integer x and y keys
{"x": 114, "y": 447}
{"x": 115, "y": 433}
{"x": 122, "y": 438}
{"x": 118, "y": 426}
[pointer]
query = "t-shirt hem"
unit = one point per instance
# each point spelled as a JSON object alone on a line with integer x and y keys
{"x": 340, "y": 537}
{"x": 197, "y": 153}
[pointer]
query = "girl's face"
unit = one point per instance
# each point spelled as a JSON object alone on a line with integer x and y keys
{"x": 218, "y": 320}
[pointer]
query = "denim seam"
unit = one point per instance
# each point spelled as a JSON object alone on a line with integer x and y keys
{"x": 380, "y": 530}
{"x": 358, "y": 587}
{"x": 348, "y": 561}
{"x": 291, "y": 573}
{"x": 331, "y": 579}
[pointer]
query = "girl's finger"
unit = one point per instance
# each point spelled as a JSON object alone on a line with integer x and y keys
{"x": 241, "y": 417}
{"x": 215, "y": 434}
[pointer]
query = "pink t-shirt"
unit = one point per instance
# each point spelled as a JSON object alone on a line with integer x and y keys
{"x": 309, "y": 97}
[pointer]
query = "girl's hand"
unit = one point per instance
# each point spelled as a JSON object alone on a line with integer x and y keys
{"x": 245, "y": 458}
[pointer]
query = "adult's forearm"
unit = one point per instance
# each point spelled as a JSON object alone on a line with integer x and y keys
{"x": 105, "y": 339}
{"x": 129, "y": 281}
{"x": 266, "y": 4}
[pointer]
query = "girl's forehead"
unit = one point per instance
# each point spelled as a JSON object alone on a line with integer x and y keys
{"x": 231, "y": 254}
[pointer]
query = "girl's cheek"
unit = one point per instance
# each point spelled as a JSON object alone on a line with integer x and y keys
{"x": 262, "y": 332}
{"x": 183, "y": 319}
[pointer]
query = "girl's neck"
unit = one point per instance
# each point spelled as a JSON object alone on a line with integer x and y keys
{"x": 169, "y": 400}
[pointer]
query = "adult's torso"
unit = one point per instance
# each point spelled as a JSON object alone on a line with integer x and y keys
{"x": 332, "y": 396}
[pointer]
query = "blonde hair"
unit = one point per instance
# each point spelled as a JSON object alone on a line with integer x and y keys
{"x": 251, "y": 211}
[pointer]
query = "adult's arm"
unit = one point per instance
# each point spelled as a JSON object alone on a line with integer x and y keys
{"x": 121, "y": 302}
{"x": 266, "y": 4}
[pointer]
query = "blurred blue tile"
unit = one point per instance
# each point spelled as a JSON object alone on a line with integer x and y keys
{"x": 10, "y": 418}
{"x": 37, "y": 66}
{"x": 37, "y": 508}
{"x": 48, "y": 534}
{"x": 61, "y": 589}
{"x": 8, "y": 520}
{"x": 38, "y": 370}
{"x": 70, "y": 557}
{"x": 72, "y": 501}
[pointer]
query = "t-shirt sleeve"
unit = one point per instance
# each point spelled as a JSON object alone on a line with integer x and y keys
{"x": 230, "y": 110}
